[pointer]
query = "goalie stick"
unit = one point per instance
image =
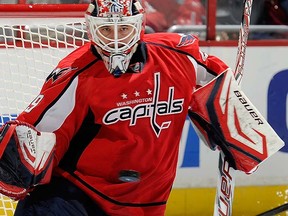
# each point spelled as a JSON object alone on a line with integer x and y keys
{"x": 275, "y": 210}
{"x": 226, "y": 173}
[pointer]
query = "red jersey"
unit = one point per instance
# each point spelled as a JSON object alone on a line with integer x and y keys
{"x": 105, "y": 124}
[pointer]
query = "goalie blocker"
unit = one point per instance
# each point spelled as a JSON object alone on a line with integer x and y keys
{"x": 224, "y": 117}
{"x": 26, "y": 158}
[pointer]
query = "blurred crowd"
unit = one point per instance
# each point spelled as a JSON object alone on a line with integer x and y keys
{"x": 162, "y": 14}
{"x": 274, "y": 12}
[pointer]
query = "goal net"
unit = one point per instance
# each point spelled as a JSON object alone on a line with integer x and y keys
{"x": 33, "y": 38}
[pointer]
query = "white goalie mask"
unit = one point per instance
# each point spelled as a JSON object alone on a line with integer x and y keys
{"x": 115, "y": 27}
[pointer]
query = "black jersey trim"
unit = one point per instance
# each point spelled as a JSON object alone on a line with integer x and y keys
{"x": 115, "y": 201}
{"x": 83, "y": 137}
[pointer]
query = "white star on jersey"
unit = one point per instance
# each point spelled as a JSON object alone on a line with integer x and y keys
{"x": 137, "y": 94}
{"x": 149, "y": 92}
{"x": 124, "y": 96}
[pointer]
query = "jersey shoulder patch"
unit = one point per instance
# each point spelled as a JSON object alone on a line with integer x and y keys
{"x": 72, "y": 63}
{"x": 187, "y": 40}
{"x": 59, "y": 72}
{"x": 181, "y": 42}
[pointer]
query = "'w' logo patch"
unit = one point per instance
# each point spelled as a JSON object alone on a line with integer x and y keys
{"x": 186, "y": 40}
{"x": 116, "y": 6}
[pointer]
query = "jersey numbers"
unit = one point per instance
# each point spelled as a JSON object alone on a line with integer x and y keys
{"x": 34, "y": 103}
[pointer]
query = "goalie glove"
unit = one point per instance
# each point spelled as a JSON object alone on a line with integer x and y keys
{"x": 26, "y": 158}
{"x": 224, "y": 117}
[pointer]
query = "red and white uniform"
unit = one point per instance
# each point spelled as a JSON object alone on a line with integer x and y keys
{"x": 105, "y": 124}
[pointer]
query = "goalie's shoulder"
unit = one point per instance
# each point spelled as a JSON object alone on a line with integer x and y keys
{"x": 71, "y": 65}
{"x": 181, "y": 42}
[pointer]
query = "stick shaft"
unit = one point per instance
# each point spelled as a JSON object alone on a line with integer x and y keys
{"x": 225, "y": 188}
{"x": 242, "y": 42}
{"x": 226, "y": 174}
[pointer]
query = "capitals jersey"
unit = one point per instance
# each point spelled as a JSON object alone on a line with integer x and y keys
{"x": 104, "y": 125}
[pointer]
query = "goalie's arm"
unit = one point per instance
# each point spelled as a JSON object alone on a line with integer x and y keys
{"x": 26, "y": 158}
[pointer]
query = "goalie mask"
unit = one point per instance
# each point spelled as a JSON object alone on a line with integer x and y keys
{"x": 115, "y": 27}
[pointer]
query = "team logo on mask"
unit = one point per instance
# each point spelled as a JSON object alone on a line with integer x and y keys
{"x": 150, "y": 109}
{"x": 114, "y": 6}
